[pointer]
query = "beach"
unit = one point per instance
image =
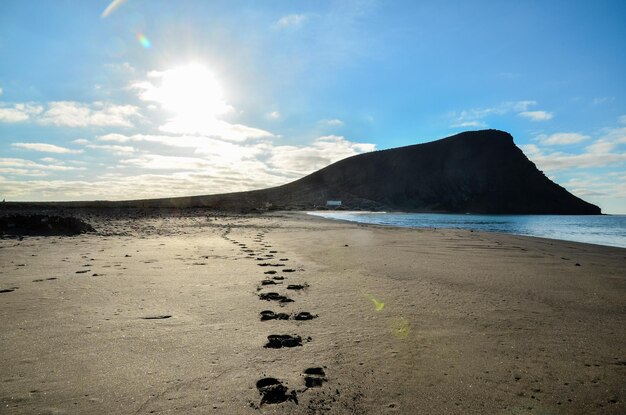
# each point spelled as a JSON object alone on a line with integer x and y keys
{"x": 161, "y": 314}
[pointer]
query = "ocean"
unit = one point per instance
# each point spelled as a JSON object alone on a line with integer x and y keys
{"x": 607, "y": 230}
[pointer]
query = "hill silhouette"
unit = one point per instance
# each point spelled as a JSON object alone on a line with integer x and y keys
{"x": 472, "y": 172}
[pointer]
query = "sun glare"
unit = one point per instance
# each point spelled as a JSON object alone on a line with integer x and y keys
{"x": 192, "y": 94}
{"x": 191, "y": 90}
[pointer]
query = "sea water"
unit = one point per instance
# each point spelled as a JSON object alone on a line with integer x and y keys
{"x": 595, "y": 229}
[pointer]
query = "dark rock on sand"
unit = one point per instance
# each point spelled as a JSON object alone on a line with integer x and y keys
{"x": 42, "y": 225}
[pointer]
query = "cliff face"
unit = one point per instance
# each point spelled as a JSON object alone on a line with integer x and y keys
{"x": 476, "y": 172}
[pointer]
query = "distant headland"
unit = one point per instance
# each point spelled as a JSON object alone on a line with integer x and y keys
{"x": 471, "y": 172}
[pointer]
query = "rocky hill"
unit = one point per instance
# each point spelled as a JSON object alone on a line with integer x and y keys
{"x": 471, "y": 172}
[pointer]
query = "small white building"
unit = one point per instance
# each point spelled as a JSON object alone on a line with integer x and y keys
{"x": 333, "y": 203}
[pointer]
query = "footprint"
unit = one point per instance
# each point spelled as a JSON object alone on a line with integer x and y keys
{"x": 8, "y": 290}
{"x": 304, "y": 315}
{"x": 270, "y": 315}
{"x": 269, "y": 282}
{"x": 275, "y": 297}
{"x": 314, "y": 377}
{"x": 271, "y": 272}
{"x": 284, "y": 259}
{"x": 278, "y": 341}
{"x": 297, "y": 286}
{"x": 45, "y": 279}
{"x": 161, "y": 317}
{"x": 278, "y": 278}
{"x": 267, "y": 264}
{"x": 289, "y": 270}
{"x": 83, "y": 271}
{"x": 272, "y": 391}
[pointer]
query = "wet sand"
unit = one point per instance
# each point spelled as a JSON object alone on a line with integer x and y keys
{"x": 291, "y": 314}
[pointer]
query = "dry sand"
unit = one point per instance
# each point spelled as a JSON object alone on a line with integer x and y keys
{"x": 161, "y": 315}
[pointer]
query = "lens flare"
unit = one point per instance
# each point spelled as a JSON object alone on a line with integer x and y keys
{"x": 378, "y": 305}
{"x": 400, "y": 328}
{"x": 145, "y": 42}
{"x": 111, "y": 8}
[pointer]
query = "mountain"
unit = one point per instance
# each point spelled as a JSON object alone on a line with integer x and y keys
{"x": 475, "y": 172}
{"x": 471, "y": 172}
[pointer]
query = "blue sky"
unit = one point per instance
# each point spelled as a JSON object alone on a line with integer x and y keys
{"x": 150, "y": 98}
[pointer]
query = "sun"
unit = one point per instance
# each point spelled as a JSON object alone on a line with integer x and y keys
{"x": 191, "y": 94}
{"x": 190, "y": 89}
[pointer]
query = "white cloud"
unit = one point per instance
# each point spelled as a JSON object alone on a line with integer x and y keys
{"x": 473, "y": 117}
{"x": 274, "y": 115}
{"x": 536, "y": 115}
{"x": 22, "y": 172}
{"x": 213, "y": 128}
{"x": 1, "y": 91}
{"x": 622, "y": 119}
{"x": 606, "y": 150}
{"x": 601, "y": 147}
{"x": 177, "y": 165}
{"x": 518, "y": 106}
{"x": 223, "y": 151}
{"x": 114, "y": 186}
{"x": 476, "y": 117}
{"x": 80, "y": 141}
{"x": 530, "y": 149}
{"x": 561, "y": 138}
{"x": 71, "y": 114}
{"x": 286, "y": 161}
{"x": 29, "y": 164}
{"x": 466, "y": 124}
{"x": 18, "y": 112}
{"x": 291, "y": 20}
{"x": 561, "y": 161}
{"x": 118, "y": 138}
{"x": 119, "y": 150}
{"x": 12, "y": 115}
{"x": 100, "y": 114}
{"x": 46, "y": 148}
{"x": 610, "y": 186}
{"x": 158, "y": 162}
{"x": 332, "y": 122}
{"x": 300, "y": 161}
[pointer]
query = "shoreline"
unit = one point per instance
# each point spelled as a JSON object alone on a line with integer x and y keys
{"x": 314, "y": 213}
{"x": 161, "y": 315}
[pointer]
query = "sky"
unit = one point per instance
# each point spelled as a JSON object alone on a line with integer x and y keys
{"x": 148, "y": 98}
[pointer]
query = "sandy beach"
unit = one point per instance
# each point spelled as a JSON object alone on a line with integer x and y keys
{"x": 163, "y": 315}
